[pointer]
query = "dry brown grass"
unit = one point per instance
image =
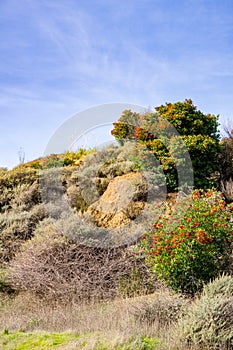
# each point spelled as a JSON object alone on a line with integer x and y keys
{"x": 113, "y": 320}
{"x": 112, "y": 323}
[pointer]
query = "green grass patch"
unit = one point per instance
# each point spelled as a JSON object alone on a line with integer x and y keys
{"x": 95, "y": 341}
{"x": 34, "y": 341}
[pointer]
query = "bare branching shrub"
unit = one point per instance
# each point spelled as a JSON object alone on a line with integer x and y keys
{"x": 208, "y": 323}
{"x": 227, "y": 189}
{"x": 226, "y": 158}
{"x": 228, "y": 129}
{"x": 52, "y": 266}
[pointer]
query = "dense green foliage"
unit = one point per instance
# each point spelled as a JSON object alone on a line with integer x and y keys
{"x": 193, "y": 243}
{"x": 162, "y": 132}
{"x": 124, "y": 128}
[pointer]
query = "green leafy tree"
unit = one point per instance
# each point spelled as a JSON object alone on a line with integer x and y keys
{"x": 171, "y": 131}
{"x": 124, "y": 128}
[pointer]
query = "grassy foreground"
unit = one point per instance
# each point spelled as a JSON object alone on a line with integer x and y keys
{"x": 37, "y": 340}
{"x": 95, "y": 341}
{"x": 30, "y": 323}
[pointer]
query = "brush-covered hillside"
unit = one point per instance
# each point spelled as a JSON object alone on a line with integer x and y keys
{"x": 122, "y": 248}
{"x": 61, "y": 209}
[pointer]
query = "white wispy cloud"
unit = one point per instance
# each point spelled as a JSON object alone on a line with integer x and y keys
{"x": 58, "y": 57}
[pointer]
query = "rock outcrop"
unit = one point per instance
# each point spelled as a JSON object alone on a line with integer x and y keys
{"x": 123, "y": 201}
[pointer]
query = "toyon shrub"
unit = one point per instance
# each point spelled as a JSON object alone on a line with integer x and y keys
{"x": 161, "y": 133}
{"x": 191, "y": 244}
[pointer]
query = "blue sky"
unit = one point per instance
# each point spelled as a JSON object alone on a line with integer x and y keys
{"x": 59, "y": 57}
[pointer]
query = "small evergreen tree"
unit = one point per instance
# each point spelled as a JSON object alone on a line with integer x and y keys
{"x": 124, "y": 128}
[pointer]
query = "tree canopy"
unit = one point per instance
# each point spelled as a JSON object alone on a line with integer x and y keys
{"x": 161, "y": 131}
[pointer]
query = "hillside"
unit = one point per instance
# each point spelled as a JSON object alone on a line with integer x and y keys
{"x": 98, "y": 228}
{"x": 47, "y": 207}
